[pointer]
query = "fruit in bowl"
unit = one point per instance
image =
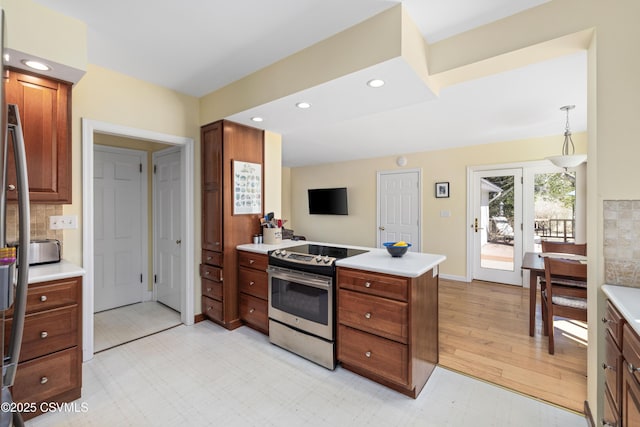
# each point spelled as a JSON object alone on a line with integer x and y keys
{"x": 397, "y": 249}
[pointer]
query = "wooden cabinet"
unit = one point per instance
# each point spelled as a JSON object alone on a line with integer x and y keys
{"x": 45, "y": 112}
{"x": 612, "y": 365}
{"x": 630, "y": 390}
{"x": 388, "y": 327}
{"x": 254, "y": 288}
{"x": 50, "y": 367}
{"x": 223, "y": 142}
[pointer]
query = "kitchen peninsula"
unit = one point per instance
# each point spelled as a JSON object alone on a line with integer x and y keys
{"x": 386, "y": 312}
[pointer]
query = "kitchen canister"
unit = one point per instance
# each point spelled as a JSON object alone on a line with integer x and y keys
{"x": 272, "y": 236}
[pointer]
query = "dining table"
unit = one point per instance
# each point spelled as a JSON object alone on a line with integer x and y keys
{"x": 533, "y": 262}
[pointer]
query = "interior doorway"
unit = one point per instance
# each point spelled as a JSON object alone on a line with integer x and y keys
{"x": 186, "y": 146}
{"x": 399, "y": 207}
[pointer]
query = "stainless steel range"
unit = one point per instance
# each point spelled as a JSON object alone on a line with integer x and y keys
{"x": 302, "y": 300}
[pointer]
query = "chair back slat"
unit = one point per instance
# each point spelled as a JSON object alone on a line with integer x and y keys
{"x": 564, "y": 247}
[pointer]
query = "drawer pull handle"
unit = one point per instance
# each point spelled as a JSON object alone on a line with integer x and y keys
{"x": 605, "y": 367}
{"x": 209, "y": 308}
{"x": 367, "y": 284}
{"x": 368, "y": 354}
{"x": 252, "y": 310}
{"x": 206, "y": 273}
{"x": 632, "y": 368}
{"x": 208, "y": 258}
{"x": 251, "y": 261}
{"x": 606, "y": 423}
{"x": 251, "y": 283}
{"x": 44, "y": 380}
{"x": 208, "y": 289}
{"x": 605, "y": 321}
{"x": 367, "y": 315}
{"x": 43, "y": 298}
{"x": 44, "y": 334}
{"x": 217, "y": 243}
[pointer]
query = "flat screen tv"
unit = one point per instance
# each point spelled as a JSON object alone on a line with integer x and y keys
{"x": 328, "y": 201}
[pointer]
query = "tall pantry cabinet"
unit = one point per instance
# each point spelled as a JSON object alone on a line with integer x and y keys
{"x": 222, "y": 143}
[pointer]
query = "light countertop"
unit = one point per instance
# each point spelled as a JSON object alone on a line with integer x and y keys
{"x": 627, "y": 301}
{"x": 412, "y": 264}
{"x": 54, "y": 271}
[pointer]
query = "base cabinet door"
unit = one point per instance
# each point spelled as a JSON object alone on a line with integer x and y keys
{"x": 630, "y": 398}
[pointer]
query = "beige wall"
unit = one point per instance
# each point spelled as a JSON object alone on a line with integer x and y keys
{"x": 446, "y": 236}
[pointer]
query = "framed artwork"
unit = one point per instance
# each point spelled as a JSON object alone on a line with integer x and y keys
{"x": 247, "y": 188}
{"x": 442, "y": 189}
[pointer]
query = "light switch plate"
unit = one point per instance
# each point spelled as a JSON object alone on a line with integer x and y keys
{"x": 59, "y": 222}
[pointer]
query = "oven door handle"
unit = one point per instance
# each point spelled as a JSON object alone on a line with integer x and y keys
{"x": 301, "y": 278}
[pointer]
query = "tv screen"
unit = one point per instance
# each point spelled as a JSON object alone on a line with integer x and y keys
{"x": 328, "y": 201}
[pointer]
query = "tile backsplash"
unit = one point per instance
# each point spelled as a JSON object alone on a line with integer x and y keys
{"x": 39, "y": 222}
{"x": 622, "y": 242}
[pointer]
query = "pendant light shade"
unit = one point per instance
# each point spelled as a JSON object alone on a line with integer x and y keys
{"x": 568, "y": 160}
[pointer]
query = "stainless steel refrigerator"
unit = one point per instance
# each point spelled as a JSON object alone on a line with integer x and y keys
{"x": 14, "y": 276}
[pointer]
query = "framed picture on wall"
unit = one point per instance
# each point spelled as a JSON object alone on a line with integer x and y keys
{"x": 247, "y": 188}
{"x": 442, "y": 189}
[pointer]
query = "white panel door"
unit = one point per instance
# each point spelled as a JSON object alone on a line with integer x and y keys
{"x": 119, "y": 195}
{"x": 399, "y": 207}
{"x": 496, "y": 226}
{"x": 167, "y": 227}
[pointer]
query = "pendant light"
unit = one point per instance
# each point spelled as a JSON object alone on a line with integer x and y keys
{"x": 567, "y": 160}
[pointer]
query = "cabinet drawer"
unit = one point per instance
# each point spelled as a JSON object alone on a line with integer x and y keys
{"x": 210, "y": 273}
{"x": 612, "y": 368}
{"x": 380, "y": 316}
{"x": 611, "y": 414}
{"x": 41, "y": 379}
{"x": 254, "y": 311}
{"x": 382, "y": 285}
{"x": 48, "y": 295}
{"x": 252, "y": 260}
{"x": 212, "y": 308}
{"x": 212, "y": 258}
{"x": 613, "y": 321}
{"x": 47, "y": 332}
{"x": 212, "y": 289}
{"x": 253, "y": 282}
{"x": 380, "y": 356}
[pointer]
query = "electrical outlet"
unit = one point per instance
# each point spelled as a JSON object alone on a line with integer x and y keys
{"x": 59, "y": 222}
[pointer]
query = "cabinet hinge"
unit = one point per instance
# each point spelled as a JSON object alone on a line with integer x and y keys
{"x": 140, "y": 277}
{"x": 155, "y": 168}
{"x": 140, "y": 167}
{"x": 155, "y": 278}
{"x": 521, "y": 180}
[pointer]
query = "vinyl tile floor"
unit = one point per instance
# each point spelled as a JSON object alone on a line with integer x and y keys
{"x": 204, "y": 375}
{"x": 123, "y": 324}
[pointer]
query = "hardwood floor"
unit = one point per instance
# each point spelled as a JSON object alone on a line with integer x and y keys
{"x": 484, "y": 332}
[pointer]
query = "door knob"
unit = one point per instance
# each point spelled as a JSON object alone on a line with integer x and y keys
{"x": 381, "y": 228}
{"x": 178, "y": 242}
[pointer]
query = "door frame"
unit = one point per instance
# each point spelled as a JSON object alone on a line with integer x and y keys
{"x": 144, "y": 211}
{"x": 417, "y": 244}
{"x": 528, "y": 172}
{"x": 89, "y": 127}
{"x": 154, "y": 157}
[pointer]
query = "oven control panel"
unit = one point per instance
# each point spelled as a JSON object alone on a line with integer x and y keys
{"x": 303, "y": 258}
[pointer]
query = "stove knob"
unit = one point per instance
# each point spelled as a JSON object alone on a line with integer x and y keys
{"x": 326, "y": 259}
{"x": 319, "y": 259}
{"x": 276, "y": 252}
{"x": 283, "y": 253}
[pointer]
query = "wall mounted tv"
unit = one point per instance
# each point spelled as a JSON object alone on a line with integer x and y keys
{"x": 328, "y": 201}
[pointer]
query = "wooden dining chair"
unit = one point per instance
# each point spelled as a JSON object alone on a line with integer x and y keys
{"x": 563, "y": 248}
{"x": 563, "y": 301}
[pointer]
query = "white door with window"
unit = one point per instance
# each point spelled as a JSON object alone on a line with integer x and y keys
{"x": 399, "y": 207}
{"x": 120, "y": 195}
{"x": 496, "y": 225}
{"x": 167, "y": 227}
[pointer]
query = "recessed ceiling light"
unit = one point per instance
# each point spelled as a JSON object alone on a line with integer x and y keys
{"x": 36, "y": 65}
{"x": 375, "y": 83}
{"x": 303, "y": 105}
{"x": 257, "y": 119}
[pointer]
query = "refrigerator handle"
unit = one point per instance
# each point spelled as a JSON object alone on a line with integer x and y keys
{"x": 20, "y": 302}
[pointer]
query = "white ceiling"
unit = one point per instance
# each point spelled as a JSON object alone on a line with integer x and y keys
{"x": 198, "y": 46}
